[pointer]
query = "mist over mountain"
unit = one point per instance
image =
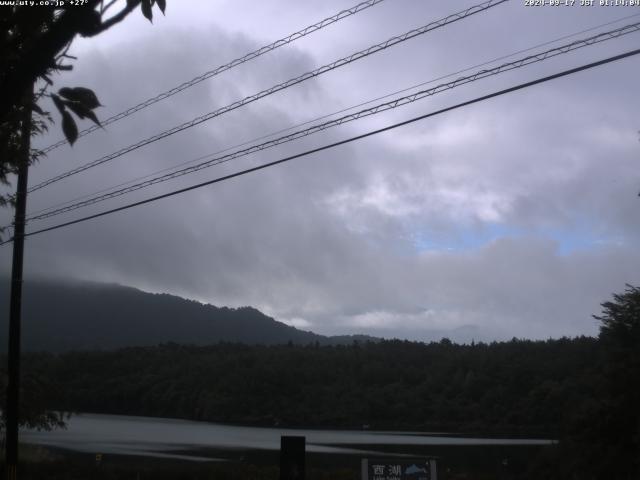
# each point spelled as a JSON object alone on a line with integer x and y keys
{"x": 61, "y": 316}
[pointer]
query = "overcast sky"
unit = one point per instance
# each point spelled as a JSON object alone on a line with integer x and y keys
{"x": 517, "y": 216}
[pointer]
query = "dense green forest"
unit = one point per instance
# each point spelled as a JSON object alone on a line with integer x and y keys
{"x": 517, "y": 386}
{"x": 534, "y": 389}
{"x": 584, "y": 391}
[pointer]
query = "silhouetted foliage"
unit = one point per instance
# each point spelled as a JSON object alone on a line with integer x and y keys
{"x": 34, "y": 45}
{"x": 582, "y": 391}
{"x": 602, "y": 439}
{"x": 615, "y": 433}
{"x": 517, "y": 386}
{"x": 36, "y": 391}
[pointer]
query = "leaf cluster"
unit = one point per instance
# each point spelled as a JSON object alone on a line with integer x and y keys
{"x": 35, "y": 390}
{"x": 34, "y": 45}
{"x": 81, "y": 101}
{"x": 147, "y": 7}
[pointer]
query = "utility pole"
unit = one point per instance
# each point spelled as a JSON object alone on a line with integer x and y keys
{"x": 13, "y": 387}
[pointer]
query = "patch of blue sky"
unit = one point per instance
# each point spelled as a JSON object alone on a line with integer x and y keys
{"x": 570, "y": 241}
{"x": 462, "y": 239}
{"x": 567, "y": 240}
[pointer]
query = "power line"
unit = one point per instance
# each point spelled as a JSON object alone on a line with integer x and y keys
{"x": 294, "y": 81}
{"x": 395, "y": 103}
{"x": 223, "y": 68}
{"x": 322, "y": 117}
{"x": 341, "y": 142}
{"x": 338, "y": 63}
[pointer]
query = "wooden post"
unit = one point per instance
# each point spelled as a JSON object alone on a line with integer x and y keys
{"x": 292, "y": 451}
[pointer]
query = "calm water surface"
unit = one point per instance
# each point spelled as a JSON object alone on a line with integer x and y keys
{"x": 183, "y": 439}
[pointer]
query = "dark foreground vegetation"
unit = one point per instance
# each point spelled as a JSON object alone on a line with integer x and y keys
{"x": 517, "y": 386}
{"x": 583, "y": 391}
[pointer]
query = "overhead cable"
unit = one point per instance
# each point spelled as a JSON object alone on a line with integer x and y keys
{"x": 276, "y": 88}
{"x": 335, "y": 144}
{"x": 223, "y": 68}
{"x": 395, "y": 103}
{"x": 325, "y": 116}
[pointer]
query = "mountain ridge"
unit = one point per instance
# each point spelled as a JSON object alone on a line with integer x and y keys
{"x": 68, "y": 315}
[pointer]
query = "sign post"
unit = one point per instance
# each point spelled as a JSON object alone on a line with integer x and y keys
{"x": 292, "y": 452}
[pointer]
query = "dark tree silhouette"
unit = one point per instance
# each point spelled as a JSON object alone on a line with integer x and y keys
{"x": 34, "y": 45}
{"x": 620, "y": 339}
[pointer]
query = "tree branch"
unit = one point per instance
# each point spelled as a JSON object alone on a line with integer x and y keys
{"x": 37, "y": 59}
{"x": 107, "y": 7}
{"x": 117, "y": 18}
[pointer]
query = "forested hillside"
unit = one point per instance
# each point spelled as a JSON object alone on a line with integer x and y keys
{"x": 518, "y": 386}
{"x": 583, "y": 391}
{"x": 63, "y": 316}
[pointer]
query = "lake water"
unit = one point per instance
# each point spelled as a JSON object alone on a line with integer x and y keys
{"x": 197, "y": 441}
